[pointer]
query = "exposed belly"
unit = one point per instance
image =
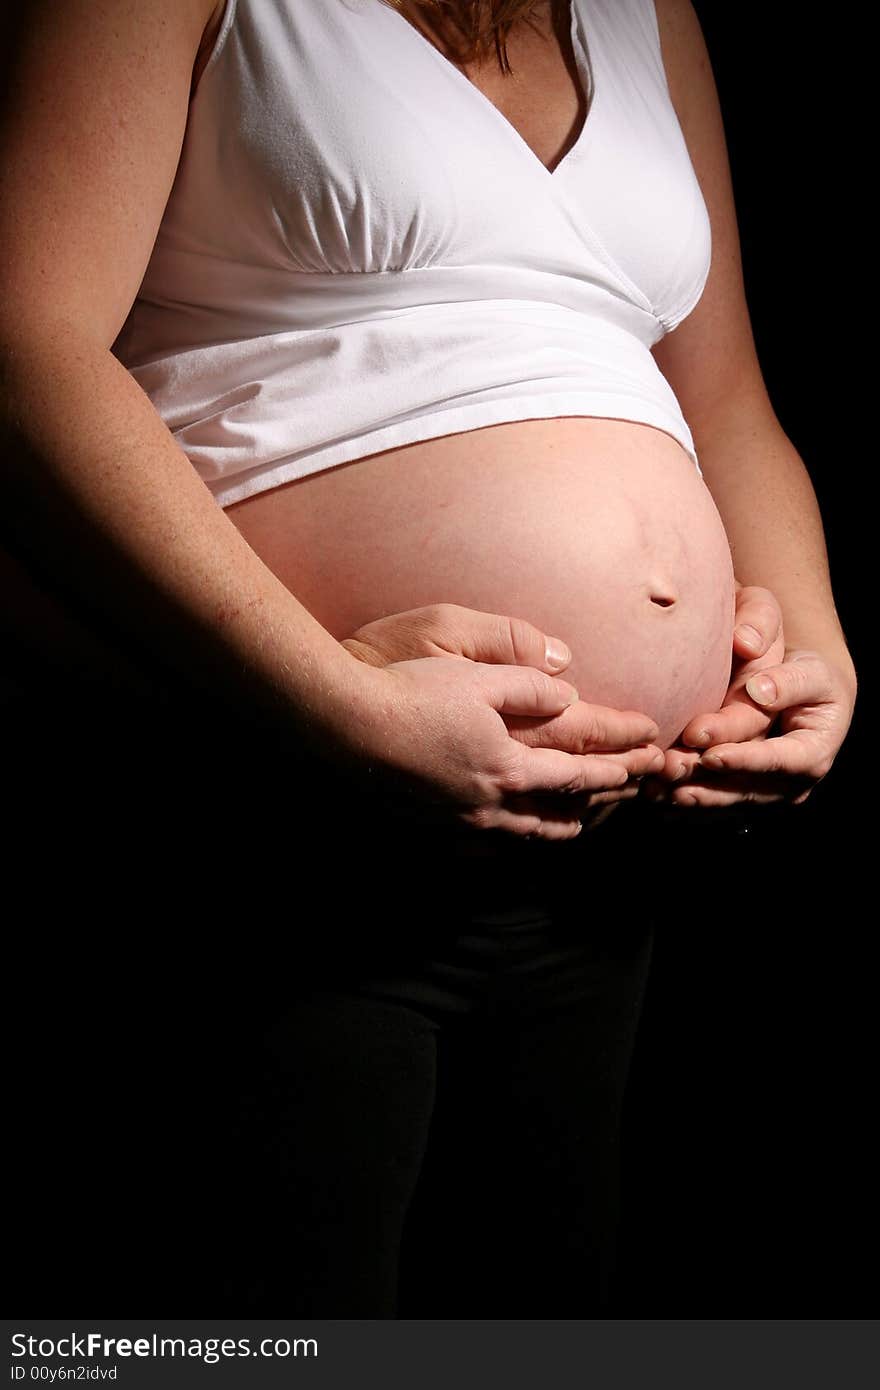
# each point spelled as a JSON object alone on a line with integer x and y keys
{"x": 598, "y": 531}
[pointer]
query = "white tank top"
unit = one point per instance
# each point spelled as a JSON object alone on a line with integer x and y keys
{"x": 359, "y": 251}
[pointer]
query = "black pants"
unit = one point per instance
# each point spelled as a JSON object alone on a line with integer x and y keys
{"x": 292, "y": 1071}
{"x": 440, "y": 1139}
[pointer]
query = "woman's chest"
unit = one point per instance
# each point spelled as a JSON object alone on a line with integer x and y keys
{"x": 354, "y": 145}
{"x": 544, "y": 93}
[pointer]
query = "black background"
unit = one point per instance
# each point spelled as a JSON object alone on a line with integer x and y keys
{"x": 749, "y": 1175}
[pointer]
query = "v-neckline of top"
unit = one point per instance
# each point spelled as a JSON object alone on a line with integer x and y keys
{"x": 584, "y": 65}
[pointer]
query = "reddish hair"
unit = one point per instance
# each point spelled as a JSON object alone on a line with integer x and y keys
{"x": 479, "y": 26}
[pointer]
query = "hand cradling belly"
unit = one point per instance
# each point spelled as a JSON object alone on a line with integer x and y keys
{"x": 598, "y": 531}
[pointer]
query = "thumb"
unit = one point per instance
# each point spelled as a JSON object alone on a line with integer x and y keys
{"x": 497, "y": 638}
{"x": 758, "y": 622}
{"x": 803, "y": 678}
{"x": 523, "y": 690}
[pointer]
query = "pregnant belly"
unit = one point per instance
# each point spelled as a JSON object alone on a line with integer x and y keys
{"x": 598, "y": 531}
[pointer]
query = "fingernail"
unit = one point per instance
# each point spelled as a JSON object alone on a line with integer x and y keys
{"x": 556, "y": 653}
{"x": 749, "y": 636}
{"x": 762, "y": 689}
{"x": 700, "y": 739}
{"x": 574, "y": 697}
{"x": 682, "y": 772}
{"x": 711, "y": 760}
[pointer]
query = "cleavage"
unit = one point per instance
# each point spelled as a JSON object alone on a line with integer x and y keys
{"x": 542, "y": 98}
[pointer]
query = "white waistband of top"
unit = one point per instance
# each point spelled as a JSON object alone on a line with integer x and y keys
{"x": 269, "y": 388}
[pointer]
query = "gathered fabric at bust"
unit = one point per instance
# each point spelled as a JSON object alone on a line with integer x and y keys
{"x": 360, "y": 251}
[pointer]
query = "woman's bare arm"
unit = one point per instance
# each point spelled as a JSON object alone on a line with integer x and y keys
{"x": 759, "y": 483}
{"x": 712, "y": 364}
{"x": 94, "y": 482}
{"x": 92, "y": 477}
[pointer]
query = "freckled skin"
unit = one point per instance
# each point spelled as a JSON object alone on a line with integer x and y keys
{"x": 575, "y": 524}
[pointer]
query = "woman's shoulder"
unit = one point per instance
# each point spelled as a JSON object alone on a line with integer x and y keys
{"x": 682, "y": 47}
{"x": 100, "y": 114}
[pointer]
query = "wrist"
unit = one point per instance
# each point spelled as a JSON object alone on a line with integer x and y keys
{"x": 352, "y": 712}
{"x": 364, "y": 697}
{"x": 318, "y": 700}
{"x": 843, "y": 678}
{"x": 833, "y": 651}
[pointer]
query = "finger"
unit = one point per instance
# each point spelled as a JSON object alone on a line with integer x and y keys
{"x": 587, "y": 728}
{"x": 752, "y": 787}
{"x": 800, "y": 752}
{"x": 654, "y": 789}
{"x": 441, "y": 629}
{"x": 554, "y": 813}
{"x": 758, "y": 621}
{"x": 736, "y": 722}
{"x": 696, "y": 792}
{"x": 559, "y": 816}
{"x": 549, "y": 770}
{"x": 706, "y": 796}
{"x": 522, "y": 690}
{"x": 639, "y": 762}
{"x": 533, "y": 822}
{"x": 803, "y": 679}
{"x": 496, "y": 638}
{"x": 371, "y": 654}
{"x": 607, "y": 798}
{"x": 579, "y": 804}
{"x": 678, "y": 763}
